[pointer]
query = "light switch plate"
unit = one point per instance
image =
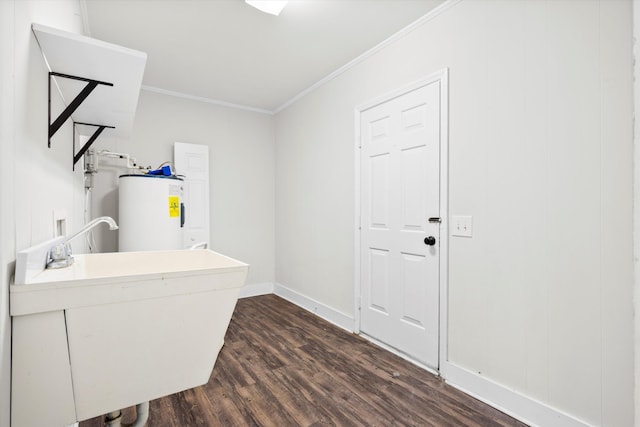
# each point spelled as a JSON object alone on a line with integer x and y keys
{"x": 462, "y": 226}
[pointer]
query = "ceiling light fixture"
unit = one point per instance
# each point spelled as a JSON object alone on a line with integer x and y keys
{"x": 274, "y": 7}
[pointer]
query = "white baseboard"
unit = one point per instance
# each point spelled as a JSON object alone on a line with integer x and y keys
{"x": 255, "y": 289}
{"x": 324, "y": 311}
{"x": 517, "y": 405}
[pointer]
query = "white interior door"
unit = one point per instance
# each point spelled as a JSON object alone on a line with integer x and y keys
{"x": 192, "y": 161}
{"x": 400, "y": 246}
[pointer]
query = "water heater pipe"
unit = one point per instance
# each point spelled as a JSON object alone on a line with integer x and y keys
{"x": 131, "y": 162}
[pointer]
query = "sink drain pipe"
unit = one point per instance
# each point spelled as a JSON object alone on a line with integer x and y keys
{"x": 114, "y": 419}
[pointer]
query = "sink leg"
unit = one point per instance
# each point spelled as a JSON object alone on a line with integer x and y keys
{"x": 114, "y": 419}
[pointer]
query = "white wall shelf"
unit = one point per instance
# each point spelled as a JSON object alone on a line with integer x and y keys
{"x": 99, "y": 83}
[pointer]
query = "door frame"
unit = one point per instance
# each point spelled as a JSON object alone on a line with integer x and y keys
{"x": 441, "y": 76}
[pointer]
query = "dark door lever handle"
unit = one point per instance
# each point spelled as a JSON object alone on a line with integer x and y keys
{"x": 430, "y": 241}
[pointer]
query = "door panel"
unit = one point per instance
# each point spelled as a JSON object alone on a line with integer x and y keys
{"x": 380, "y": 191}
{"x": 400, "y": 189}
{"x": 379, "y": 261}
{"x": 192, "y": 161}
{"x": 412, "y": 268}
{"x": 413, "y": 198}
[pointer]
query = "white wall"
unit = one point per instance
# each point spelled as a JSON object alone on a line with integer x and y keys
{"x": 540, "y": 141}
{"x": 7, "y": 232}
{"x": 636, "y": 206}
{"x": 34, "y": 180}
{"x": 241, "y": 150}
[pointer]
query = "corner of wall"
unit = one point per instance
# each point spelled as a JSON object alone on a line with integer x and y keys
{"x": 327, "y": 313}
{"x": 255, "y": 290}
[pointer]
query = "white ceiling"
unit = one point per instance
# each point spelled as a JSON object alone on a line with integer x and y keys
{"x": 227, "y": 51}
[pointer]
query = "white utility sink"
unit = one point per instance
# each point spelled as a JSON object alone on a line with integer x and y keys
{"x": 116, "y": 329}
{"x": 119, "y": 276}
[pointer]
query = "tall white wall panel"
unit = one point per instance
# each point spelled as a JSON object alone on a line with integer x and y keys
{"x": 34, "y": 180}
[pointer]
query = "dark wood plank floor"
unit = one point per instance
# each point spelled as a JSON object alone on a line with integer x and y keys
{"x": 283, "y": 366}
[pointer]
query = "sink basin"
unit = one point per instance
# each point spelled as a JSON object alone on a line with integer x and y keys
{"x": 117, "y": 329}
{"x": 92, "y": 279}
{"x": 121, "y": 264}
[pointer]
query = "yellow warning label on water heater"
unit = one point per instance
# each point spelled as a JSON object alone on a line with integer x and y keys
{"x": 174, "y": 206}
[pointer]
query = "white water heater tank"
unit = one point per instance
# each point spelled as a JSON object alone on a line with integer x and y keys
{"x": 151, "y": 213}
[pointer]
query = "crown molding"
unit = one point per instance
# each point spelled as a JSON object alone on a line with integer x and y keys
{"x": 205, "y": 100}
{"x": 392, "y": 39}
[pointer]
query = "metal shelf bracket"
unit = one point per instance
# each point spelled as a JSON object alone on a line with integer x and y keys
{"x": 77, "y": 156}
{"x": 71, "y": 108}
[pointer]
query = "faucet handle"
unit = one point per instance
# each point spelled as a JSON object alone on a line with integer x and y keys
{"x": 60, "y": 251}
{"x": 60, "y": 256}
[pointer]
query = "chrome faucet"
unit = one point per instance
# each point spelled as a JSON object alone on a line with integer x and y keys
{"x": 60, "y": 254}
{"x": 200, "y": 245}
